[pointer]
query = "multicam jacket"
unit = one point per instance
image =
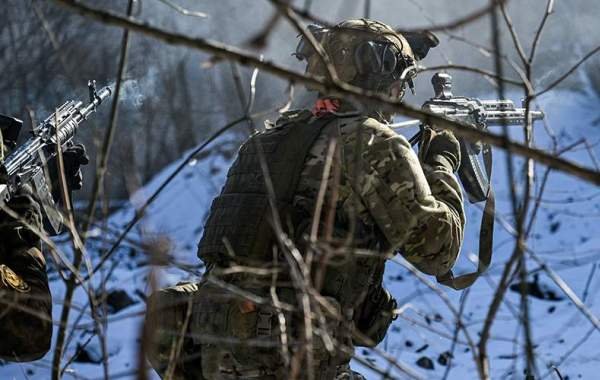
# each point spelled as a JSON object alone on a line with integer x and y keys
{"x": 417, "y": 207}
{"x": 379, "y": 198}
{"x": 401, "y": 205}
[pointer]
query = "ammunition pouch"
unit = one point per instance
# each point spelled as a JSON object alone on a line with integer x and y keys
{"x": 241, "y": 337}
{"x": 172, "y": 351}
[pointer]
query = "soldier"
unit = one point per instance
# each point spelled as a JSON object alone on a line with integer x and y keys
{"x": 25, "y": 299}
{"x": 295, "y": 244}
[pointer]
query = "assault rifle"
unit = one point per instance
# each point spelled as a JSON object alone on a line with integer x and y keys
{"x": 25, "y": 164}
{"x": 480, "y": 113}
{"x": 475, "y": 180}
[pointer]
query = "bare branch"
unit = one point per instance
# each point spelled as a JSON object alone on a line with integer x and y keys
{"x": 513, "y": 34}
{"x": 568, "y": 72}
{"x": 538, "y": 33}
{"x": 465, "y": 20}
{"x": 182, "y": 10}
{"x": 476, "y": 70}
{"x": 460, "y": 22}
{"x": 567, "y": 291}
{"x": 259, "y": 41}
{"x": 337, "y": 88}
{"x": 289, "y": 14}
{"x": 457, "y": 315}
{"x": 79, "y": 249}
{"x": 53, "y": 41}
{"x": 142, "y": 208}
{"x": 108, "y": 137}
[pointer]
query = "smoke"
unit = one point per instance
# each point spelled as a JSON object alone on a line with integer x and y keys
{"x": 131, "y": 93}
{"x": 135, "y": 91}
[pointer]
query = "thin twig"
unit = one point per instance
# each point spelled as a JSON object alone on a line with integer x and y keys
{"x": 560, "y": 377}
{"x": 588, "y": 282}
{"x": 476, "y": 15}
{"x": 454, "y": 24}
{"x": 463, "y": 301}
{"x": 421, "y": 277}
{"x": 293, "y": 18}
{"x": 577, "y": 345}
{"x": 158, "y": 191}
{"x": 367, "y": 9}
{"x": 79, "y": 250}
{"x": 538, "y": 33}
{"x": 513, "y": 34}
{"x": 342, "y": 89}
{"x": 476, "y": 70}
{"x": 568, "y": 72}
{"x": 112, "y": 126}
{"x": 567, "y": 290}
{"x": 182, "y": 10}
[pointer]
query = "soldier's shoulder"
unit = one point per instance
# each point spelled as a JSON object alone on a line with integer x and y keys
{"x": 289, "y": 117}
{"x": 367, "y": 125}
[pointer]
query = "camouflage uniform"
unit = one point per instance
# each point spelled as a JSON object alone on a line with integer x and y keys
{"x": 25, "y": 300}
{"x": 403, "y": 202}
{"x": 380, "y": 198}
{"x": 417, "y": 205}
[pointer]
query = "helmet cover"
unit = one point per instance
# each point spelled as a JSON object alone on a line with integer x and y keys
{"x": 365, "y": 53}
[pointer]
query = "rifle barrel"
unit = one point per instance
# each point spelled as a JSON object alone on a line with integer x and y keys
{"x": 69, "y": 116}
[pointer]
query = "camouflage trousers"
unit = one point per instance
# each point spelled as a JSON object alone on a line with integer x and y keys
{"x": 200, "y": 331}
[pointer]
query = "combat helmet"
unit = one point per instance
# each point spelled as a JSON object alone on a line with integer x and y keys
{"x": 367, "y": 53}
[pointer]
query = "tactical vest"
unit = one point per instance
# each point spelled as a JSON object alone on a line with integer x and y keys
{"x": 239, "y": 227}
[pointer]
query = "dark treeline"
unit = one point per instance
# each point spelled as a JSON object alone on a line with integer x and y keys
{"x": 169, "y": 102}
{"x": 171, "y": 99}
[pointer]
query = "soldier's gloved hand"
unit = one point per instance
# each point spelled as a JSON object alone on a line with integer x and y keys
{"x": 73, "y": 158}
{"x": 477, "y": 147}
{"x": 15, "y": 233}
{"x": 439, "y": 148}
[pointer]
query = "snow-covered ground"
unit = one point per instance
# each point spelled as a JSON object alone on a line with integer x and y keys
{"x": 565, "y": 235}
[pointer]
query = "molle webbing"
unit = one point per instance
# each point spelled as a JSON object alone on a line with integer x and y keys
{"x": 239, "y": 224}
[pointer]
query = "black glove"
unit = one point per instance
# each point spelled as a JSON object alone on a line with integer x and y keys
{"x": 439, "y": 148}
{"x": 73, "y": 158}
{"x": 375, "y": 315}
{"x": 15, "y": 233}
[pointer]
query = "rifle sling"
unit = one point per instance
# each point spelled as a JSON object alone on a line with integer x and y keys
{"x": 486, "y": 236}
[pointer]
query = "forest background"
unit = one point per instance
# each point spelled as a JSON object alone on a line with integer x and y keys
{"x": 173, "y": 98}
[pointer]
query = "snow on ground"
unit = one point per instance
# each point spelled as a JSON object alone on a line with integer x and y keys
{"x": 423, "y": 337}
